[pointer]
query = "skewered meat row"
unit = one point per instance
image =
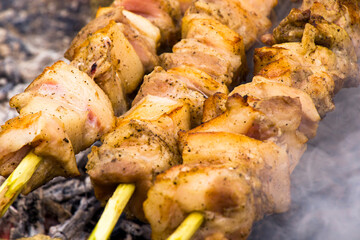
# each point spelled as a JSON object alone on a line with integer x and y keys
{"x": 207, "y": 60}
{"x": 119, "y": 45}
{"x": 64, "y": 111}
{"x": 237, "y": 165}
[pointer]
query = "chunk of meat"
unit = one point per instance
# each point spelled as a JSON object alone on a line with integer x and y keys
{"x": 141, "y": 45}
{"x": 198, "y": 80}
{"x": 217, "y": 68}
{"x": 344, "y": 13}
{"x": 214, "y": 34}
{"x": 263, "y": 160}
{"x": 223, "y": 195}
{"x": 214, "y": 106}
{"x": 245, "y": 20}
{"x": 276, "y": 119}
{"x": 310, "y": 117}
{"x": 163, "y": 84}
{"x": 317, "y": 70}
{"x": 108, "y": 57}
{"x": 165, "y": 14}
{"x": 313, "y": 29}
{"x": 61, "y": 113}
{"x": 142, "y": 146}
{"x": 193, "y": 46}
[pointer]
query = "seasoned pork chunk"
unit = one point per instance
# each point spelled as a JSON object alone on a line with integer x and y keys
{"x": 217, "y": 68}
{"x": 61, "y": 113}
{"x": 276, "y": 119}
{"x": 165, "y": 14}
{"x": 223, "y": 195}
{"x": 142, "y": 146}
{"x": 140, "y": 43}
{"x": 312, "y": 29}
{"x": 108, "y": 57}
{"x": 164, "y": 84}
{"x": 317, "y": 70}
{"x": 263, "y": 160}
{"x": 216, "y": 35}
{"x": 344, "y": 13}
{"x": 240, "y": 16}
{"x": 310, "y": 117}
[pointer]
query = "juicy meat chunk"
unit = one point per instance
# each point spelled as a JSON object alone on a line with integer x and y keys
{"x": 214, "y": 106}
{"x": 165, "y": 14}
{"x": 237, "y": 15}
{"x": 193, "y": 46}
{"x": 142, "y": 146}
{"x": 310, "y": 117}
{"x": 108, "y": 57}
{"x": 163, "y": 84}
{"x": 266, "y": 119}
{"x": 61, "y": 113}
{"x": 319, "y": 71}
{"x": 217, "y": 68}
{"x": 263, "y": 160}
{"x": 345, "y": 13}
{"x": 214, "y": 34}
{"x": 141, "y": 45}
{"x": 223, "y": 195}
{"x": 314, "y": 31}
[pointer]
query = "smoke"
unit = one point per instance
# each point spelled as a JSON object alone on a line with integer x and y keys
{"x": 326, "y": 183}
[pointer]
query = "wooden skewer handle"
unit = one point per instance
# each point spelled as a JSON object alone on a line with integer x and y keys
{"x": 15, "y": 183}
{"x": 188, "y": 227}
{"x": 112, "y": 212}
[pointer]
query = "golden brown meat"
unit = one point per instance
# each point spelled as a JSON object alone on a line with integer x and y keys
{"x": 216, "y": 35}
{"x": 164, "y": 84}
{"x": 274, "y": 118}
{"x": 108, "y": 57}
{"x": 62, "y": 112}
{"x": 310, "y": 117}
{"x": 344, "y": 13}
{"x": 319, "y": 71}
{"x": 224, "y": 195}
{"x": 210, "y": 57}
{"x": 165, "y": 14}
{"x": 262, "y": 159}
{"x": 142, "y": 146}
{"x": 247, "y": 18}
{"x": 141, "y": 45}
{"x": 278, "y": 108}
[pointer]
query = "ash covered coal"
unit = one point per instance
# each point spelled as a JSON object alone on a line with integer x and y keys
{"x": 34, "y": 34}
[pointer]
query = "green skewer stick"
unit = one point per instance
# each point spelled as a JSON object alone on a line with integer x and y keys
{"x": 188, "y": 227}
{"x": 15, "y": 183}
{"x": 112, "y": 212}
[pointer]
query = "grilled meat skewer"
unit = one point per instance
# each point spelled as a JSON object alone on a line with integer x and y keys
{"x": 64, "y": 111}
{"x": 207, "y": 60}
{"x": 237, "y": 165}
